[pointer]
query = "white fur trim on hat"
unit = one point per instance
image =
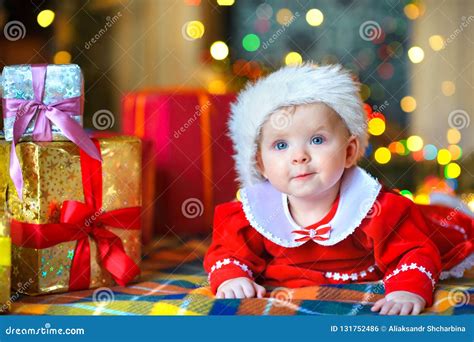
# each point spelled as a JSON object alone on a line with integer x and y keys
{"x": 289, "y": 86}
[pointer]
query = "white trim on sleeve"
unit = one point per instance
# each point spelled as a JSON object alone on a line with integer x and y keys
{"x": 229, "y": 261}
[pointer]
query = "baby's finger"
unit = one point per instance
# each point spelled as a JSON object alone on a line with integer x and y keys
{"x": 417, "y": 308}
{"x": 386, "y": 307}
{"x": 260, "y": 291}
{"x": 220, "y": 294}
{"x": 395, "y": 310}
{"x": 249, "y": 291}
{"x": 239, "y": 291}
{"x": 228, "y": 293}
{"x": 378, "y": 304}
{"x": 406, "y": 309}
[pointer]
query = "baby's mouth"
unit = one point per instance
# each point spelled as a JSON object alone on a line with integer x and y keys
{"x": 304, "y": 175}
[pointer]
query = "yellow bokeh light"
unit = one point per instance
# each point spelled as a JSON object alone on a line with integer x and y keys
{"x": 195, "y": 29}
{"x": 225, "y": 2}
{"x": 411, "y": 11}
{"x": 448, "y": 88}
{"x": 382, "y": 155}
{"x": 414, "y": 143}
{"x": 219, "y": 50}
{"x": 314, "y": 17}
{"x": 444, "y": 156}
{"x": 408, "y": 104}
{"x": 422, "y": 199}
{"x": 284, "y": 16}
{"x": 416, "y": 54}
{"x": 452, "y": 170}
{"x": 470, "y": 204}
{"x": 453, "y": 136}
{"x": 436, "y": 42}
{"x": 293, "y": 58}
{"x": 45, "y": 18}
{"x": 376, "y": 126}
{"x": 237, "y": 196}
{"x": 217, "y": 87}
{"x": 62, "y": 57}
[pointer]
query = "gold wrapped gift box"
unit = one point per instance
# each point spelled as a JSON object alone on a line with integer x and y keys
{"x": 5, "y": 262}
{"x": 52, "y": 175}
{"x": 5, "y": 242}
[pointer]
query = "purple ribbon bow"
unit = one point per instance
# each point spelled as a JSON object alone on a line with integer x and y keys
{"x": 59, "y": 113}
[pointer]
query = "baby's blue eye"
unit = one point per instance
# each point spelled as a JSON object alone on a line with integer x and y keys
{"x": 281, "y": 145}
{"x": 317, "y": 140}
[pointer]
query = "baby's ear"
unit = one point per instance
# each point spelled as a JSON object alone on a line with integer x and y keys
{"x": 259, "y": 163}
{"x": 352, "y": 151}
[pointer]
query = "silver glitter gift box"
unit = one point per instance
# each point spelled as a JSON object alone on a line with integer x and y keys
{"x": 62, "y": 82}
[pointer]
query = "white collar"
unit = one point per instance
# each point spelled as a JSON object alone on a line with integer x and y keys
{"x": 267, "y": 209}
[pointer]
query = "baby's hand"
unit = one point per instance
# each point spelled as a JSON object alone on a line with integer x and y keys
{"x": 400, "y": 303}
{"x": 240, "y": 288}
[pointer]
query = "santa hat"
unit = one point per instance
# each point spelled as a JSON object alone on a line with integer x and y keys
{"x": 289, "y": 86}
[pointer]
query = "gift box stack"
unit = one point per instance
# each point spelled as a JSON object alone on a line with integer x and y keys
{"x": 187, "y": 157}
{"x": 72, "y": 202}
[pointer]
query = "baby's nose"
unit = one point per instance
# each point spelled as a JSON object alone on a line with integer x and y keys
{"x": 301, "y": 158}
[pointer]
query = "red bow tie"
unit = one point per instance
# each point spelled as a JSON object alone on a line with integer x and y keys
{"x": 320, "y": 233}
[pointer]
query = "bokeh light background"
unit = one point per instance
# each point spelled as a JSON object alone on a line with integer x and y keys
{"x": 413, "y": 58}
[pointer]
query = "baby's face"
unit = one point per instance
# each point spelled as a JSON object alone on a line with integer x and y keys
{"x": 304, "y": 153}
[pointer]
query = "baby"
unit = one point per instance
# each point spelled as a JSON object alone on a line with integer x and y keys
{"x": 308, "y": 215}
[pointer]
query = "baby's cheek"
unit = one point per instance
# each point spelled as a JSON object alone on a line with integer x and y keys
{"x": 335, "y": 162}
{"x": 275, "y": 166}
{"x": 332, "y": 174}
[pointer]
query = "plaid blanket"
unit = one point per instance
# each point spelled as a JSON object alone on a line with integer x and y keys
{"x": 173, "y": 282}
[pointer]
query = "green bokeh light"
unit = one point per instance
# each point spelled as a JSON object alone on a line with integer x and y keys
{"x": 251, "y": 42}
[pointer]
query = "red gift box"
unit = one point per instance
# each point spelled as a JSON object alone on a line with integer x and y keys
{"x": 187, "y": 157}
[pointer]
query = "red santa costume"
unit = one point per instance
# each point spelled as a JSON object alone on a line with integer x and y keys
{"x": 370, "y": 233}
